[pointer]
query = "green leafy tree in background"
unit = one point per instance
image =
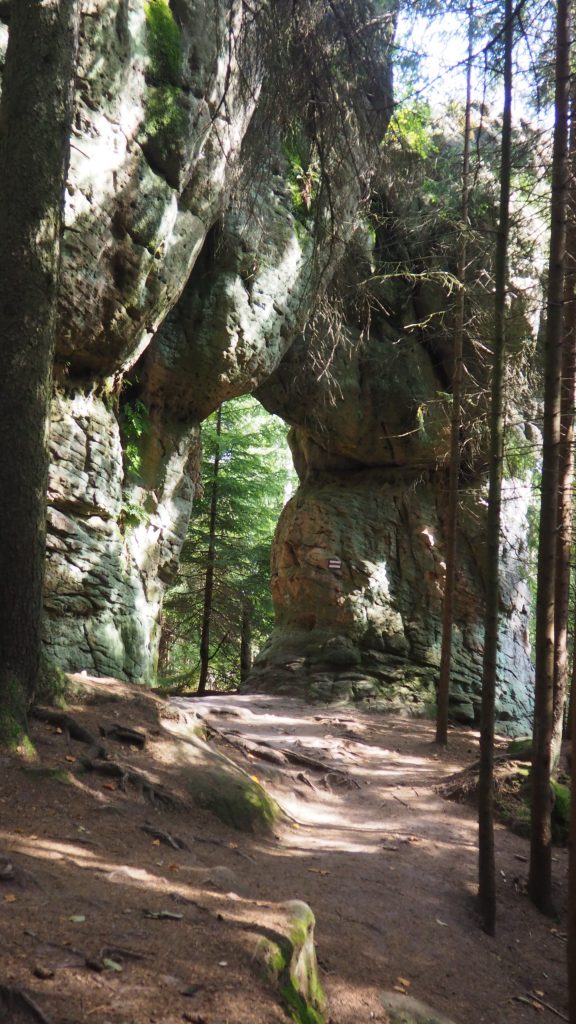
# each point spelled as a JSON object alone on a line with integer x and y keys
{"x": 252, "y": 480}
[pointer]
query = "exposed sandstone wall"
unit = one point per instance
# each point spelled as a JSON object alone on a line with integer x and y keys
{"x": 187, "y": 275}
{"x": 358, "y": 558}
{"x": 187, "y": 270}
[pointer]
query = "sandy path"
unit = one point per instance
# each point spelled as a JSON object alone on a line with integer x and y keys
{"x": 389, "y": 867}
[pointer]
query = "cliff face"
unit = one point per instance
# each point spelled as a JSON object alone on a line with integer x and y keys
{"x": 195, "y": 243}
{"x": 358, "y": 558}
{"x": 210, "y": 201}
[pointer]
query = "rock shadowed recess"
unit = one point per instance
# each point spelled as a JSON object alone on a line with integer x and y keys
{"x": 358, "y": 557}
{"x": 189, "y": 264}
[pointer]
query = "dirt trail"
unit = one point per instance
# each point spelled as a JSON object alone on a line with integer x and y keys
{"x": 388, "y": 867}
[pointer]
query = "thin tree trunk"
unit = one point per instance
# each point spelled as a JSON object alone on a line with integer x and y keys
{"x": 571, "y": 950}
{"x": 453, "y": 490}
{"x": 209, "y": 581}
{"x": 246, "y": 639}
{"x": 35, "y": 115}
{"x": 486, "y": 858}
{"x": 540, "y": 873}
{"x": 566, "y": 472}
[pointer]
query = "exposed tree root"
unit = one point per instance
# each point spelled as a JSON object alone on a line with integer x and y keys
{"x": 19, "y": 1006}
{"x": 266, "y": 752}
{"x": 113, "y": 770}
{"x": 124, "y": 734}
{"x": 164, "y": 837}
{"x": 70, "y": 727}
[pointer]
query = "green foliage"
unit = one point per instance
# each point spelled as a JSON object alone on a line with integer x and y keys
{"x": 164, "y": 43}
{"x": 165, "y": 114}
{"x": 303, "y": 174}
{"x": 254, "y": 474}
{"x": 134, "y": 426}
{"x": 410, "y": 129}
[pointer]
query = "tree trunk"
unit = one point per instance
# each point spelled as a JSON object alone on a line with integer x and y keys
{"x": 571, "y": 950}
{"x": 486, "y": 859}
{"x": 246, "y": 639}
{"x": 452, "y": 518}
{"x": 209, "y": 581}
{"x": 540, "y": 873}
{"x": 566, "y": 456}
{"x": 35, "y": 114}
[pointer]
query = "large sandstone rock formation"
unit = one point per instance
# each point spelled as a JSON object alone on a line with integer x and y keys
{"x": 211, "y": 197}
{"x": 190, "y": 261}
{"x": 358, "y": 558}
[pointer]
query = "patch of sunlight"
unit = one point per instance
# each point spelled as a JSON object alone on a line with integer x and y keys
{"x": 427, "y": 533}
{"x": 379, "y": 577}
{"x": 336, "y": 842}
{"x": 51, "y": 849}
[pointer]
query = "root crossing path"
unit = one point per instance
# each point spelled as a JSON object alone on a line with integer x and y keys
{"x": 388, "y": 866}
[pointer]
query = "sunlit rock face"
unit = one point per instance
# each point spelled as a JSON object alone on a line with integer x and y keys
{"x": 358, "y": 561}
{"x": 111, "y": 549}
{"x": 187, "y": 270}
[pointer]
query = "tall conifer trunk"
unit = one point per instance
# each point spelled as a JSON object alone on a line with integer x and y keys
{"x": 486, "y": 863}
{"x": 209, "y": 579}
{"x": 35, "y": 113}
{"x": 457, "y": 375}
{"x": 566, "y": 473}
{"x": 540, "y": 873}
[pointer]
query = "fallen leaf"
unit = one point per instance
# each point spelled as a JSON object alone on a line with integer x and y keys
{"x": 110, "y": 785}
{"x": 404, "y": 981}
{"x": 155, "y": 842}
{"x": 441, "y": 923}
{"x": 10, "y": 898}
{"x": 112, "y": 965}
{"x": 222, "y": 963}
{"x": 319, "y": 871}
{"x": 69, "y": 758}
{"x": 77, "y": 918}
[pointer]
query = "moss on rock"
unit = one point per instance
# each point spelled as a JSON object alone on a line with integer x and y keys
{"x": 235, "y": 798}
{"x": 290, "y": 960}
{"x": 521, "y": 748}
{"x": 53, "y": 684}
{"x": 164, "y": 43}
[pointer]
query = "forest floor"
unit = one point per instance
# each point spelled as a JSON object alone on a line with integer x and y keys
{"x": 103, "y": 922}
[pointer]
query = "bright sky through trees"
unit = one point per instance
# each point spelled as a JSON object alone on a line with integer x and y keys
{"x": 433, "y": 58}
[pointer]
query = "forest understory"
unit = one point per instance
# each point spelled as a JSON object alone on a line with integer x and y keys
{"x": 121, "y": 903}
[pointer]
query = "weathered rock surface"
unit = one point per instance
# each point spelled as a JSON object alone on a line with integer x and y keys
{"x": 192, "y": 258}
{"x": 403, "y": 1009}
{"x": 358, "y": 559}
{"x": 163, "y": 204}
